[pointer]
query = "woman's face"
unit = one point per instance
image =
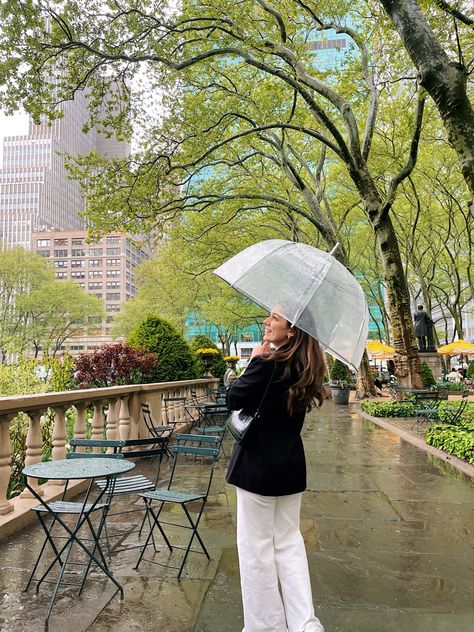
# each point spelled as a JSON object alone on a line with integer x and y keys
{"x": 277, "y": 330}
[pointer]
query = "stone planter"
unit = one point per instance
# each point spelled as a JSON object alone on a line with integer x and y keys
{"x": 340, "y": 394}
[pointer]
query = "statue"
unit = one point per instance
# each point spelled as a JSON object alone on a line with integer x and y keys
{"x": 423, "y": 330}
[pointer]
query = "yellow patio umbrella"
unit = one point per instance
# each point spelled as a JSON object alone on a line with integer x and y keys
{"x": 379, "y": 350}
{"x": 458, "y": 347}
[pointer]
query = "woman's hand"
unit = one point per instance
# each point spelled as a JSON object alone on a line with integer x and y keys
{"x": 261, "y": 349}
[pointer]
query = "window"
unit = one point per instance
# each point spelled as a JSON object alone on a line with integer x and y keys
{"x": 78, "y": 252}
{"x": 95, "y": 274}
{"x": 61, "y": 275}
{"x": 95, "y": 286}
{"x": 60, "y": 264}
{"x": 96, "y": 252}
{"x": 77, "y": 241}
{"x": 113, "y": 285}
{"x": 44, "y": 253}
{"x": 113, "y": 262}
{"x": 78, "y": 263}
{"x": 43, "y": 243}
{"x": 113, "y": 273}
{"x": 113, "y": 308}
{"x": 78, "y": 275}
{"x": 113, "y": 251}
{"x": 109, "y": 319}
{"x": 95, "y": 263}
{"x": 112, "y": 296}
{"x": 60, "y": 242}
{"x": 113, "y": 239}
{"x": 60, "y": 253}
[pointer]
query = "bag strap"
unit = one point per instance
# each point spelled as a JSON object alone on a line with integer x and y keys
{"x": 266, "y": 390}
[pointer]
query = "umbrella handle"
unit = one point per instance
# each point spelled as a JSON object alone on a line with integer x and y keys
{"x": 335, "y": 248}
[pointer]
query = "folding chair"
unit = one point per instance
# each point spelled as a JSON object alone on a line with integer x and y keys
{"x": 140, "y": 448}
{"x": 61, "y": 508}
{"x": 160, "y": 432}
{"x": 181, "y": 493}
{"x": 426, "y": 407}
{"x": 453, "y": 414}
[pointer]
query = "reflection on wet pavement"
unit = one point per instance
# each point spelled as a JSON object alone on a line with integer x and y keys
{"x": 389, "y": 533}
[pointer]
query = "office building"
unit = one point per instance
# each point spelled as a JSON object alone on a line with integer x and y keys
{"x": 36, "y": 193}
{"x": 104, "y": 268}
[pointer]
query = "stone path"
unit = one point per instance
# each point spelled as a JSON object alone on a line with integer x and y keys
{"x": 389, "y": 532}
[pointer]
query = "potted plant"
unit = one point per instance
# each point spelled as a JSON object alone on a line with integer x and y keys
{"x": 232, "y": 360}
{"x": 207, "y": 357}
{"x": 339, "y": 384}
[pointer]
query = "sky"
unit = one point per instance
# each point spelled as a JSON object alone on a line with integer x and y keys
{"x": 12, "y": 126}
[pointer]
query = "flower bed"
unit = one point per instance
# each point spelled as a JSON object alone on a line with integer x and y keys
{"x": 458, "y": 439}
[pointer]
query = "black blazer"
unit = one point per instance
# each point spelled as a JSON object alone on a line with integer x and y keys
{"x": 271, "y": 459}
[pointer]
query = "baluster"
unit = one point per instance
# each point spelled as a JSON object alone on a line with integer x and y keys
{"x": 112, "y": 421}
{"x": 5, "y": 463}
{"x": 80, "y": 424}
{"x": 34, "y": 450}
{"x": 124, "y": 419}
{"x": 59, "y": 440}
{"x": 97, "y": 425}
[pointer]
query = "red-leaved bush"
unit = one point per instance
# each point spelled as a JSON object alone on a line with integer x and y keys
{"x": 115, "y": 364}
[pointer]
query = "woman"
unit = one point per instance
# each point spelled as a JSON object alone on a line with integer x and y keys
{"x": 269, "y": 471}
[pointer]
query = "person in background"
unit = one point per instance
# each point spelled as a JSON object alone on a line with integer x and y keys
{"x": 283, "y": 381}
{"x": 454, "y": 376}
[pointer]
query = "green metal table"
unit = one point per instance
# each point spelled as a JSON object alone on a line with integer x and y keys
{"x": 69, "y": 470}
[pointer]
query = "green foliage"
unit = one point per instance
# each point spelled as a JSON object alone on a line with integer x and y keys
{"x": 176, "y": 360}
{"x": 428, "y": 378}
{"x": 218, "y": 366}
{"x": 467, "y": 416}
{"x": 452, "y": 386}
{"x": 388, "y": 409}
{"x": 470, "y": 370}
{"x": 458, "y": 440}
{"x": 340, "y": 374}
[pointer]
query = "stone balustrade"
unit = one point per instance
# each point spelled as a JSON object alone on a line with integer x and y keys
{"x": 117, "y": 407}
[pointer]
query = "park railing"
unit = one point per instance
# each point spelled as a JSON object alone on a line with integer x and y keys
{"x": 116, "y": 414}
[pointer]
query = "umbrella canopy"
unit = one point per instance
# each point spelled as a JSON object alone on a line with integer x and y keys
{"x": 379, "y": 350}
{"x": 458, "y": 347}
{"x": 309, "y": 288}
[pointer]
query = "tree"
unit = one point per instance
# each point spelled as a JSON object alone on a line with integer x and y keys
{"x": 56, "y": 311}
{"x": 176, "y": 361}
{"x": 20, "y": 273}
{"x": 442, "y": 75}
{"x": 240, "y": 54}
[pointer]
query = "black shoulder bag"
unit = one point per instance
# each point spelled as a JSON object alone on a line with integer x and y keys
{"x": 239, "y": 422}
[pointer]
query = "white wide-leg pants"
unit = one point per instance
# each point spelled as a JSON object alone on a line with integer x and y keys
{"x": 271, "y": 553}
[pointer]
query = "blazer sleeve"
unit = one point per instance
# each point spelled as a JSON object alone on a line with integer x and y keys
{"x": 248, "y": 390}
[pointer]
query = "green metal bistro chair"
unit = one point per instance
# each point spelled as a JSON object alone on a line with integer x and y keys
{"x": 159, "y": 432}
{"x": 139, "y": 448}
{"x": 62, "y": 507}
{"x": 182, "y": 491}
{"x": 454, "y": 413}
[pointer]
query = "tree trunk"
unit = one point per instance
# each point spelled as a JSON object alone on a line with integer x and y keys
{"x": 365, "y": 383}
{"x": 407, "y": 361}
{"x": 444, "y": 80}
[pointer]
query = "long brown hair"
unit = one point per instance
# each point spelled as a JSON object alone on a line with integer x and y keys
{"x": 304, "y": 360}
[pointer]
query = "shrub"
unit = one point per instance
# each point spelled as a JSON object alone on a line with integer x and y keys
{"x": 176, "y": 360}
{"x": 388, "y": 409}
{"x": 467, "y": 416}
{"x": 115, "y": 364}
{"x": 458, "y": 440}
{"x": 470, "y": 370}
{"x": 340, "y": 374}
{"x": 428, "y": 378}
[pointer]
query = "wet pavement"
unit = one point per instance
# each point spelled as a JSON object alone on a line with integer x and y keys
{"x": 389, "y": 531}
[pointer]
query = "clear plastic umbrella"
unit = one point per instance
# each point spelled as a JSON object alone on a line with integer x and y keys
{"x": 309, "y": 288}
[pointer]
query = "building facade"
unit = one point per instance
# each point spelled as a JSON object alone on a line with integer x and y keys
{"x": 105, "y": 268}
{"x": 36, "y": 193}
